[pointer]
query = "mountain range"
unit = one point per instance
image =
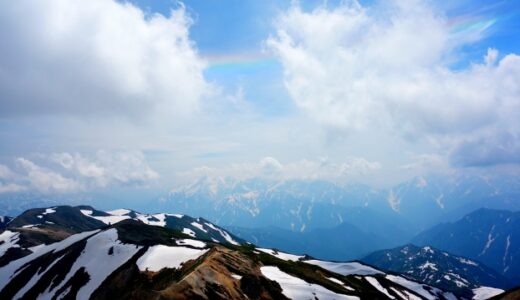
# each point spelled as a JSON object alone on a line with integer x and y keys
{"x": 485, "y": 235}
{"x": 439, "y": 268}
{"x": 301, "y": 205}
{"x": 79, "y": 252}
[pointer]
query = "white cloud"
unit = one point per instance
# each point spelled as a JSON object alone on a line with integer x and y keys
{"x": 5, "y": 172}
{"x": 11, "y": 188}
{"x": 45, "y": 180}
{"x": 388, "y": 65}
{"x": 107, "y": 168}
{"x": 71, "y": 173}
{"x": 97, "y": 57}
{"x": 426, "y": 162}
{"x": 270, "y": 168}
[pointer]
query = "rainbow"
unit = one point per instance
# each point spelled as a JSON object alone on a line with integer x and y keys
{"x": 468, "y": 24}
{"x": 244, "y": 60}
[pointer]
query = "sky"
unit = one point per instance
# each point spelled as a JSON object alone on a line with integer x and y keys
{"x": 103, "y": 95}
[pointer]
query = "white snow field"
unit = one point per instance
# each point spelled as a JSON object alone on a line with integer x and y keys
{"x": 295, "y": 288}
{"x": 373, "y": 281}
{"x": 281, "y": 255}
{"x": 97, "y": 262}
{"x": 485, "y": 292}
{"x": 190, "y": 242}
{"x": 160, "y": 256}
{"x": 345, "y": 268}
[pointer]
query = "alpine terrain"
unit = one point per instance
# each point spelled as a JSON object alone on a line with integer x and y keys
{"x": 79, "y": 252}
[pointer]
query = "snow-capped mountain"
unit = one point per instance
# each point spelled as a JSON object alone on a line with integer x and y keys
{"x": 439, "y": 268}
{"x": 136, "y": 256}
{"x": 295, "y": 205}
{"x": 426, "y": 201}
{"x": 302, "y": 205}
{"x": 42, "y": 226}
{"x": 486, "y": 235}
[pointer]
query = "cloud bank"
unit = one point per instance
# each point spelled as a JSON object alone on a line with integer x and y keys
{"x": 70, "y": 173}
{"x": 96, "y": 57}
{"x": 270, "y": 168}
{"x": 389, "y": 65}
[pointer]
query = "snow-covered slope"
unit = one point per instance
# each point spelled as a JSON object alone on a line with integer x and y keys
{"x": 486, "y": 235}
{"x": 195, "y": 227}
{"x": 439, "y": 268}
{"x": 296, "y": 288}
{"x": 38, "y": 227}
{"x": 131, "y": 259}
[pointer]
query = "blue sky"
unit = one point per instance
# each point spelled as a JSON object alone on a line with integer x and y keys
{"x": 107, "y": 95}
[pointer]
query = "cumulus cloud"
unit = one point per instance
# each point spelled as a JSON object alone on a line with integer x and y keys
{"x": 45, "y": 180}
{"x": 71, "y": 173}
{"x": 271, "y": 168}
{"x": 11, "y": 188}
{"x": 503, "y": 148}
{"x": 426, "y": 162}
{"x": 388, "y": 65}
{"x": 108, "y": 167}
{"x": 96, "y": 57}
{"x": 5, "y": 172}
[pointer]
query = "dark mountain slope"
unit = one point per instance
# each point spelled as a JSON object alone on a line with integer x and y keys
{"x": 439, "y": 268}
{"x": 486, "y": 235}
{"x": 342, "y": 242}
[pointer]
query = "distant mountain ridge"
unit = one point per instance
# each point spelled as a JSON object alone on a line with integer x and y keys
{"x": 486, "y": 235}
{"x": 301, "y": 205}
{"x": 342, "y": 242}
{"x": 436, "y": 267}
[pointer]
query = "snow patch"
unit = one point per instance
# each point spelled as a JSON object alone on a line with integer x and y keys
{"x": 190, "y": 242}
{"x": 394, "y": 201}
{"x": 160, "y": 256}
{"x": 504, "y": 260}
{"x": 414, "y": 286}
{"x": 490, "y": 241}
{"x": 439, "y": 201}
{"x": 337, "y": 281}
{"x": 467, "y": 261}
{"x": 97, "y": 262}
{"x": 109, "y": 220}
{"x": 428, "y": 265}
{"x": 224, "y": 234}
{"x": 49, "y": 211}
{"x": 295, "y": 288}
{"x": 188, "y": 232}
{"x": 199, "y": 226}
{"x": 428, "y": 249}
{"x": 30, "y": 226}
{"x": 86, "y": 212}
{"x": 119, "y": 212}
{"x": 349, "y": 268}
{"x": 9, "y": 240}
{"x": 237, "y": 277}
{"x": 378, "y": 286}
{"x": 160, "y": 217}
{"x": 12, "y": 269}
{"x": 484, "y": 292}
{"x": 404, "y": 294}
{"x": 281, "y": 255}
